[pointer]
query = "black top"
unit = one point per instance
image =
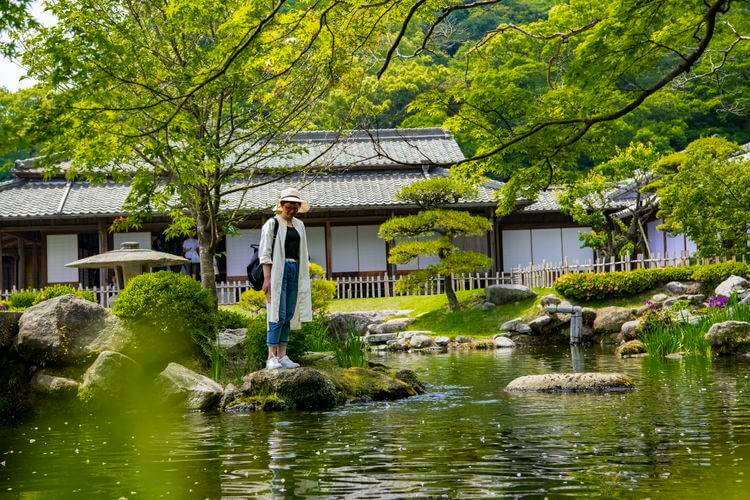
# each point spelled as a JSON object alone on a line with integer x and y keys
{"x": 291, "y": 244}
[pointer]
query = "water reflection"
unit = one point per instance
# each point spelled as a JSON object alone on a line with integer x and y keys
{"x": 683, "y": 432}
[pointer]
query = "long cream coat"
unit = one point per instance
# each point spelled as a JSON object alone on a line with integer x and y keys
{"x": 303, "y": 310}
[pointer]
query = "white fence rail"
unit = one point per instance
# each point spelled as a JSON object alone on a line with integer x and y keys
{"x": 366, "y": 287}
{"x": 359, "y": 287}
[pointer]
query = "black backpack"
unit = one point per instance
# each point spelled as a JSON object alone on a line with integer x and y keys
{"x": 254, "y": 268}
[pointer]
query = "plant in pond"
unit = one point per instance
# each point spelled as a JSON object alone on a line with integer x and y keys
{"x": 351, "y": 352}
{"x": 432, "y": 232}
{"x": 665, "y": 338}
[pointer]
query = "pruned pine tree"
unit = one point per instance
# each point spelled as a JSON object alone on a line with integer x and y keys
{"x": 432, "y": 232}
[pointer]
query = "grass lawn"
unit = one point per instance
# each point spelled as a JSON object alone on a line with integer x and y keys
{"x": 432, "y": 314}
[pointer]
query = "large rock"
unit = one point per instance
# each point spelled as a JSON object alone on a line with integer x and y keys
{"x": 193, "y": 390}
{"x": 67, "y": 330}
{"x": 44, "y": 382}
{"x": 588, "y": 315}
{"x": 8, "y": 327}
{"x": 675, "y": 288}
{"x": 610, "y": 319}
{"x": 303, "y": 388}
{"x": 502, "y": 342}
{"x": 113, "y": 376}
{"x": 420, "y": 341}
{"x": 506, "y": 294}
{"x": 516, "y": 326}
{"x": 545, "y": 325}
{"x": 550, "y": 300}
{"x": 441, "y": 341}
{"x": 630, "y": 348}
{"x": 733, "y": 284}
{"x": 729, "y": 337}
{"x": 391, "y": 326}
{"x": 630, "y": 330}
{"x": 379, "y": 338}
{"x": 571, "y": 382}
{"x": 341, "y": 323}
{"x": 232, "y": 341}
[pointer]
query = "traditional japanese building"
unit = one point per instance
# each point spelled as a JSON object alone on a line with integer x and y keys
{"x": 46, "y": 223}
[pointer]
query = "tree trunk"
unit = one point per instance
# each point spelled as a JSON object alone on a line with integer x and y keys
{"x": 208, "y": 276}
{"x": 452, "y": 299}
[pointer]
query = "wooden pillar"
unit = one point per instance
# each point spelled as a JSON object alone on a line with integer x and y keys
{"x": 329, "y": 261}
{"x": 21, "y": 263}
{"x": 103, "y": 247}
{"x": 491, "y": 238}
{"x": 43, "y": 267}
{"x": 36, "y": 264}
{"x": 2, "y": 281}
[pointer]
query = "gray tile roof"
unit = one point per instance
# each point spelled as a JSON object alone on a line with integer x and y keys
{"x": 374, "y": 148}
{"x": 546, "y": 201}
{"x": 34, "y": 198}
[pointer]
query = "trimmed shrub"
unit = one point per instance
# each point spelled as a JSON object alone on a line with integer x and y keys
{"x": 252, "y": 300}
{"x": 53, "y": 291}
{"x": 322, "y": 293}
{"x": 713, "y": 274}
{"x": 167, "y": 302}
{"x": 22, "y": 299}
{"x": 597, "y": 286}
{"x": 227, "y": 319}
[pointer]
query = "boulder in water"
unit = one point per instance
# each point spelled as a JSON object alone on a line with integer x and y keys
{"x": 729, "y": 337}
{"x": 610, "y": 319}
{"x": 67, "y": 330}
{"x": 193, "y": 390}
{"x": 571, "y": 382}
{"x": 111, "y": 377}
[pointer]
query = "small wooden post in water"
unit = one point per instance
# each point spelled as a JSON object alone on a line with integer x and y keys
{"x": 576, "y": 320}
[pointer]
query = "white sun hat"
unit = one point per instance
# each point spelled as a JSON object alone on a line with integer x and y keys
{"x": 293, "y": 194}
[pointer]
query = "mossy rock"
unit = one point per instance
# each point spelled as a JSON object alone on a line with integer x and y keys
{"x": 630, "y": 348}
{"x": 319, "y": 388}
{"x": 8, "y": 327}
{"x": 366, "y": 383}
{"x": 250, "y": 404}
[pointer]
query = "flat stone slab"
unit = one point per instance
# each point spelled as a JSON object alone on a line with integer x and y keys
{"x": 379, "y": 338}
{"x": 572, "y": 382}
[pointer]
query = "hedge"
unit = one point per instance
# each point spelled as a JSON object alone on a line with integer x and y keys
{"x": 598, "y": 286}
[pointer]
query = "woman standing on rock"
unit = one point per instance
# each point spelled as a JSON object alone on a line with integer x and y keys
{"x": 283, "y": 254}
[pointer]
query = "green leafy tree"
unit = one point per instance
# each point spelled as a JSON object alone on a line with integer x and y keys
{"x": 535, "y": 102}
{"x": 189, "y": 101}
{"x": 704, "y": 192}
{"x": 432, "y": 232}
{"x": 594, "y": 199}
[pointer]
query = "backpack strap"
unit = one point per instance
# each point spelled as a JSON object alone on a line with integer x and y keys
{"x": 275, "y": 232}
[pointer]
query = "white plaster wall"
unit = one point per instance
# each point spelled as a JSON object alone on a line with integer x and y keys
{"x": 370, "y": 249}
{"x": 571, "y": 245}
{"x": 546, "y": 245}
{"x": 239, "y": 251}
{"x": 516, "y": 248}
{"x": 61, "y": 249}
{"x": 344, "y": 254}
{"x": 316, "y": 244}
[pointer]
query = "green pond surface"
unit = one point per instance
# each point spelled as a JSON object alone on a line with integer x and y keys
{"x": 683, "y": 433}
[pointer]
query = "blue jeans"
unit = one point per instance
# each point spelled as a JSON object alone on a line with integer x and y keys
{"x": 278, "y": 332}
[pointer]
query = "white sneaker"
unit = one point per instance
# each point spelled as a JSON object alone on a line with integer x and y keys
{"x": 288, "y": 363}
{"x": 273, "y": 363}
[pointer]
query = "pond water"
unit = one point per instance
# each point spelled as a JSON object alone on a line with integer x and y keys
{"x": 685, "y": 432}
